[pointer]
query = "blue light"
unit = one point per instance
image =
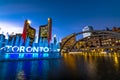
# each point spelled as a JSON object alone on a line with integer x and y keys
{"x": 29, "y": 49}
{"x": 45, "y": 55}
{"x": 16, "y": 48}
{"x": 35, "y": 55}
{"x": 21, "y": 55}
{"x": 46, "y": 49}
{"x": 17, "y": 41}
{"x": 6, "y": 56}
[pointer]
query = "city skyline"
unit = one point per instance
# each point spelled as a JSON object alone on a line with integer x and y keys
{"x": 66, "y": 15}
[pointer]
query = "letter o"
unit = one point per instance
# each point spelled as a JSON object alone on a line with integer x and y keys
{"x": 27, "y": 49}
{"x": 14, "y": 48}
{"x": 46, "y": 49}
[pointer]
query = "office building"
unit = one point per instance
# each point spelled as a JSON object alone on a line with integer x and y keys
{"x": 45, "y": 31}
{"x": 28, "y": 31}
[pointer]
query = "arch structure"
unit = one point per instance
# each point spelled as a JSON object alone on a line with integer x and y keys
{"x": 99, "y": 39}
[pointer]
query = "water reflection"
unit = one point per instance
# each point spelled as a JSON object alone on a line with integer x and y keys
{"x": 20, "y": 75}
{"x": 116, "y": 62}
{"x": 20, "y": 72}
{"x": 3, "y": 69}
{"x": 34, "y": 69}
{"x": 70, "y": 61}
{"x": 91, "y": 66}
{"x": 71, "y": 66}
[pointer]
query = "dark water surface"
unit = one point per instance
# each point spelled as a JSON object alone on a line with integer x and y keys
{"x": 70, "y": 67}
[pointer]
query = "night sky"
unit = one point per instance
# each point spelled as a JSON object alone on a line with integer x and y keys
{"x": 68, "y": 16}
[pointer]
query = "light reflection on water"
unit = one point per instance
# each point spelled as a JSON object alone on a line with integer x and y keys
{"x": 71, "y": 66}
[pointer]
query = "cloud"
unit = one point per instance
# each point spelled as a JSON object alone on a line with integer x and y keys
{"x": 10, "y": 27}
{"x": 6, "y": 27}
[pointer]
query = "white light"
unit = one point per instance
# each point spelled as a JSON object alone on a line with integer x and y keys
{"x": 46, "y": 49}
{"x": 54, "y": 35}
{"x": 29, "y": 21}
{"x": 48, "y": 19}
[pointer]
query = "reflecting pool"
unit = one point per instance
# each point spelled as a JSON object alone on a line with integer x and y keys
{"x": 69, "y": 67}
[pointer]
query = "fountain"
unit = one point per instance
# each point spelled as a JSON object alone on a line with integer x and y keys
{"x": 51, "y": 50}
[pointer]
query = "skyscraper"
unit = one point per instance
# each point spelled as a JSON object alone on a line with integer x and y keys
{"x": 49, "y": 29}
{"x": 45, "y": 31}
{"x": 28, "y": 31}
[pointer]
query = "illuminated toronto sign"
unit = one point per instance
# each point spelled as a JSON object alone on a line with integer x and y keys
{"x": 28, "y": 49}
{"x": 23, "y": 49}
{"x": 27, "y": 45}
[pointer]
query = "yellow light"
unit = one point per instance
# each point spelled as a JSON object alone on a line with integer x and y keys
{"x": 116, "y": 61}
{"x": 48, "y": 19}
{"x": 29, "y": 21}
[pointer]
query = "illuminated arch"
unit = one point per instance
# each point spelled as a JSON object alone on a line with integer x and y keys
{"x": 100, "y": 32}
